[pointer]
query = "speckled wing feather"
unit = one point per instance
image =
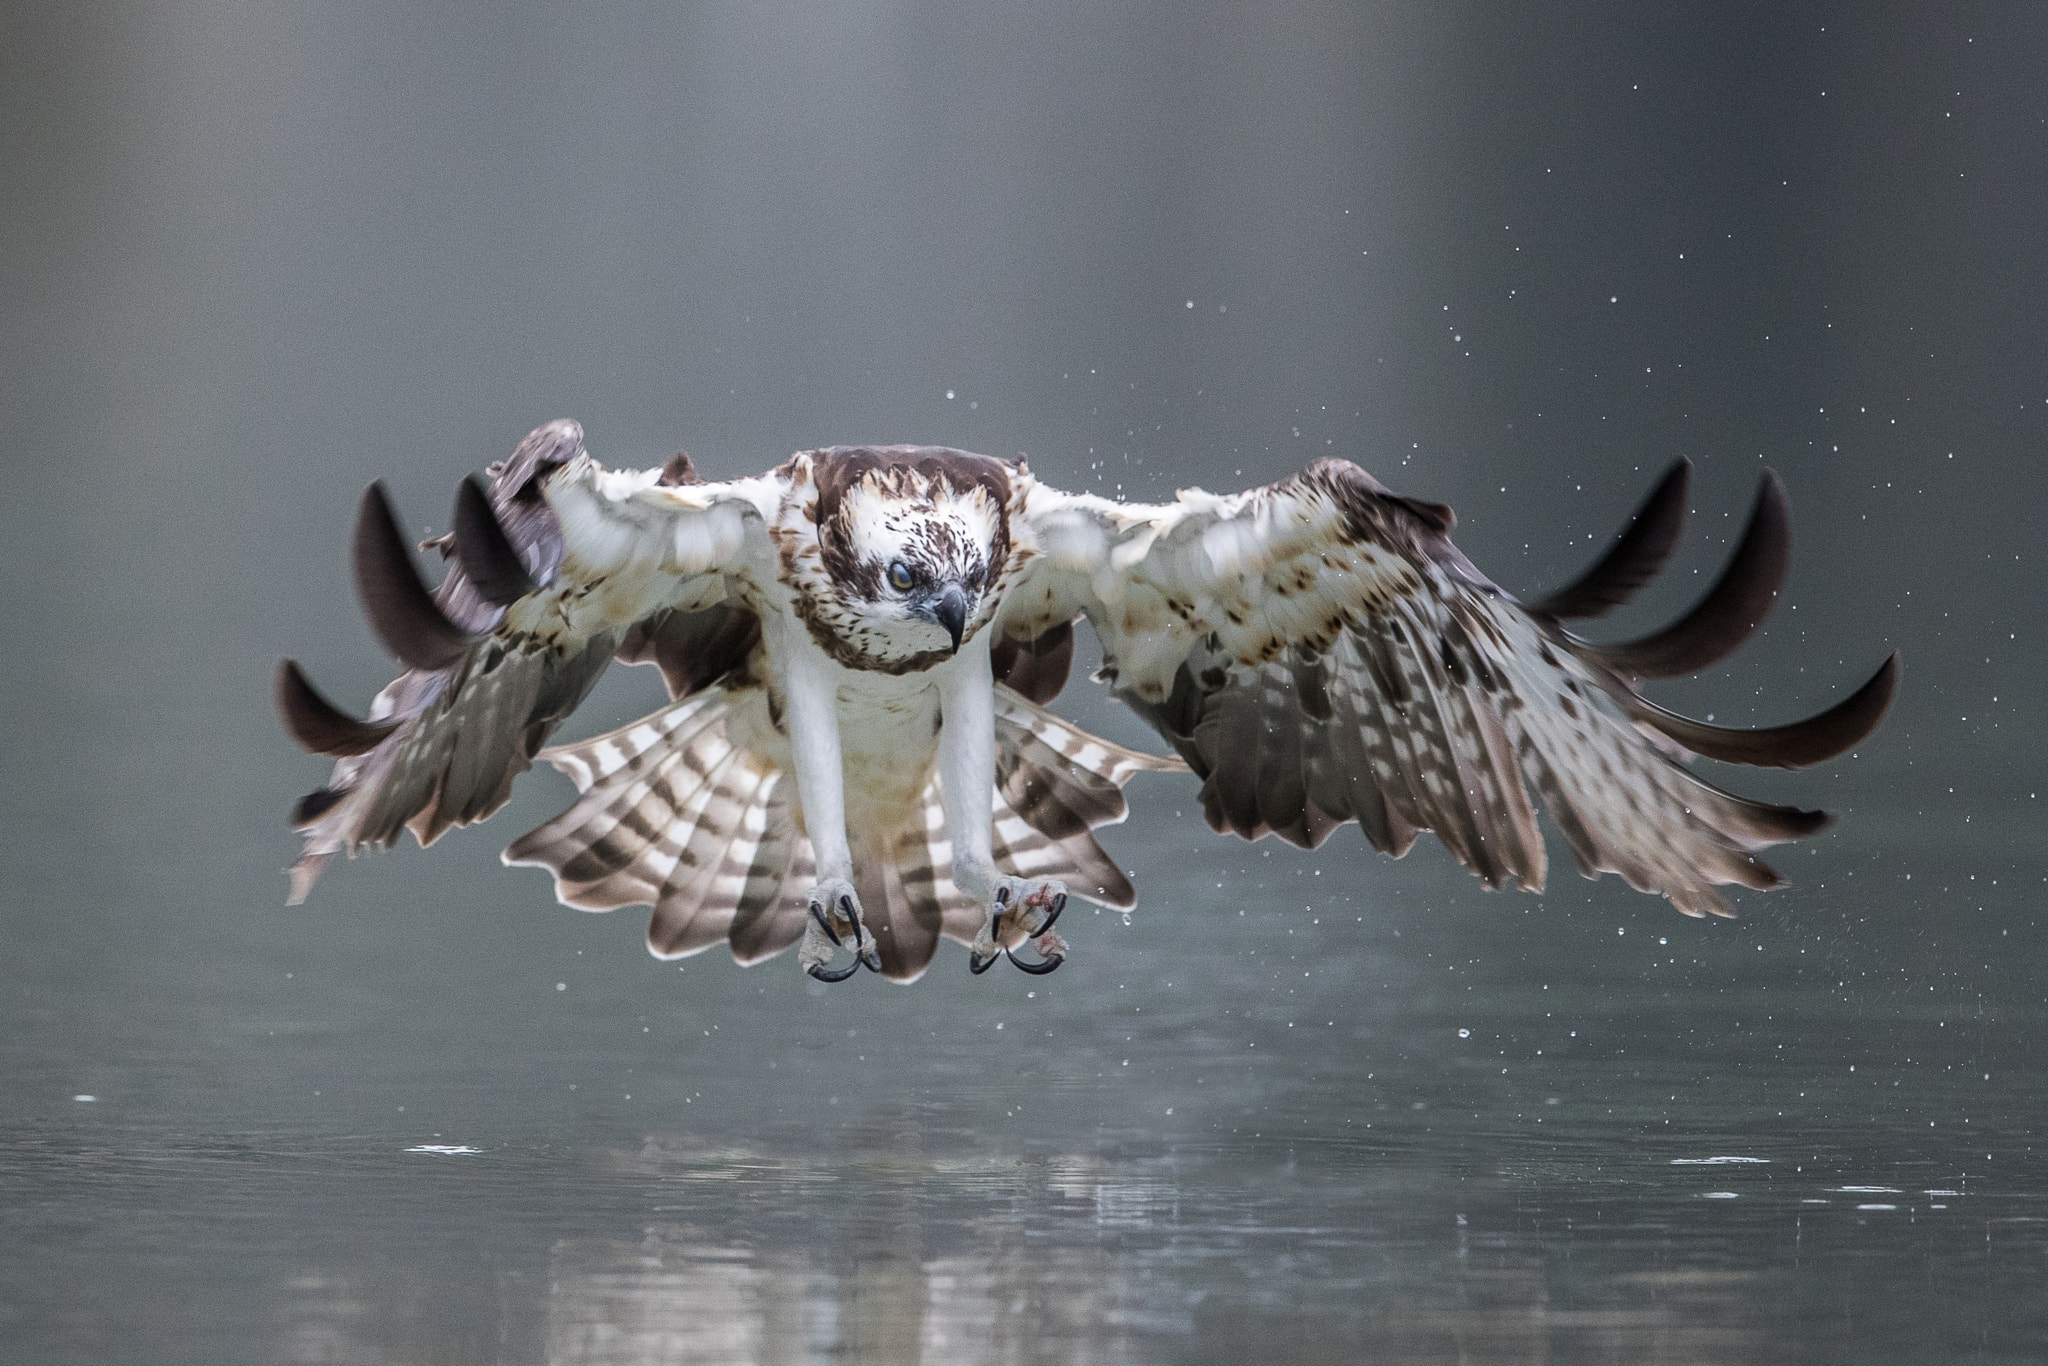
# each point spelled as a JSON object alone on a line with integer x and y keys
{"x": 1319, "y": 652}
{"x": 554, "y": 568}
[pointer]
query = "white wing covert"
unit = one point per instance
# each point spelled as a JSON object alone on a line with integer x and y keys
{"x": 1319, "y": 652}
{"x": 551, "y": 569}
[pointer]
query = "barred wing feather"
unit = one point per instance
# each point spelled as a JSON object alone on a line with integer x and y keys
{"x": 1319, "y": 652}
{"x": 553, "y": 569}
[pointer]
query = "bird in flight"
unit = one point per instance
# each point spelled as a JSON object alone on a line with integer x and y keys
{"x": 861, "y": 644}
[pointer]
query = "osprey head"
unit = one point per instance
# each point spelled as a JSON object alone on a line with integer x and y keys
{"x": 912, "y": 541}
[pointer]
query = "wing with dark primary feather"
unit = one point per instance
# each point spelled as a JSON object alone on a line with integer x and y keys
{"x": 554, "y": 568}
{"x": 1319, "y": 652}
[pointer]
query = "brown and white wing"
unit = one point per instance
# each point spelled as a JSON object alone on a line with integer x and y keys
{"x": 552, "y": 569}
{"x": 1319, "y": 652}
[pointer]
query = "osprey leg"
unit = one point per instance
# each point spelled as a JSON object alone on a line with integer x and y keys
{"x": 812, "y": 712}
{"x": 967, "y": 774}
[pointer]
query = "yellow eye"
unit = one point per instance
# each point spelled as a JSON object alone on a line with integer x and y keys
{"x": 899, "y": 577}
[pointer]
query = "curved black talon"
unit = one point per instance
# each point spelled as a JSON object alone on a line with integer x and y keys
{"x": 824, "y": 922}
{"x": 868, "y": 958}
{"x": 1038, "y": 969}
{"x": 977, "y": 965}
{"x": 1059, "y": 903}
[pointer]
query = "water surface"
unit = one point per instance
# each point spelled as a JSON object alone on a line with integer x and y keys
{"x": 1469, "y": 1129}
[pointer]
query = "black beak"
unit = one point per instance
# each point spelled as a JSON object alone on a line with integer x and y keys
{"x": 950, "y": 611}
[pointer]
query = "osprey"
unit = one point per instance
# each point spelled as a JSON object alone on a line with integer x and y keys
{"x": 860, "y": 645}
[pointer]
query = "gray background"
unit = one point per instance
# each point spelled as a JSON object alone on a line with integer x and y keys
{"x": 1515, "y": 258}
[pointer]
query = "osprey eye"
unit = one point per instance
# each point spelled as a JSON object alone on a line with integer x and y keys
{"x": 899, "y": 576}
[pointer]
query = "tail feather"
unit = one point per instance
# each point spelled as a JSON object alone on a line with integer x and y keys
{"x": 1056, "y": 784}
{"x": 674, "y": 814}
{"x": 702, "y": 893}
{"x": 587, "y": 761}
{"x": 900, "y": 902}
{"x": 647, "y": 848}
{"x": 631, "y": 791}
{"x": 1085, "y": 753}
{"x": 614, "y": 846}
{"x": 770, "y": 917}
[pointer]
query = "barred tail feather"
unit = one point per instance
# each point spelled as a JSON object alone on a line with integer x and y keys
{"x": 1085, "y": 756}
{"x": 925, "y": 858}
{"x": 900, "y": 898}
{"x": 676, "y": 816}
{"x": 607, "y": 850}
{"x": 673, "y": 814}
{"x": 1055, "y": 783}
{"x": 701, "y": 895}
{"x": 770, "y": 916}
{"x": 587, "y": 761}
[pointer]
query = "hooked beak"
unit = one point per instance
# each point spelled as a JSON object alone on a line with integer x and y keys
{"x": 950, "y": 611}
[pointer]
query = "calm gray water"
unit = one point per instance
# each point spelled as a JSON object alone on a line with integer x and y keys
{"x": 1310, "y": 1108}
{"x": 1451, "y": 1130}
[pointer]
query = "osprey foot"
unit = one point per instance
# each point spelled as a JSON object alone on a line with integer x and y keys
{"x": 1022, "y": 909}
{"x": 1052, "y": 951}
{"x": 835, "y": 923}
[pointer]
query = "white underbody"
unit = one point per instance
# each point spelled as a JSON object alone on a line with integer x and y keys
{"x": 863, "y": 746}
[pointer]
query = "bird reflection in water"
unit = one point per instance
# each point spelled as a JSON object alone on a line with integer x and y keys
{"x": 870, "y": 1289}
{"x": 913, "y": 1245}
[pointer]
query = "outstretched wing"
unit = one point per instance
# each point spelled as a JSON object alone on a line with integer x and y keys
{"x": 1319, "y": 652}
{"x": 554, "y": 568}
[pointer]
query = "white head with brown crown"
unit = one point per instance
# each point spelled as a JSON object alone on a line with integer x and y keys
{"x": 910, "y": 550}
